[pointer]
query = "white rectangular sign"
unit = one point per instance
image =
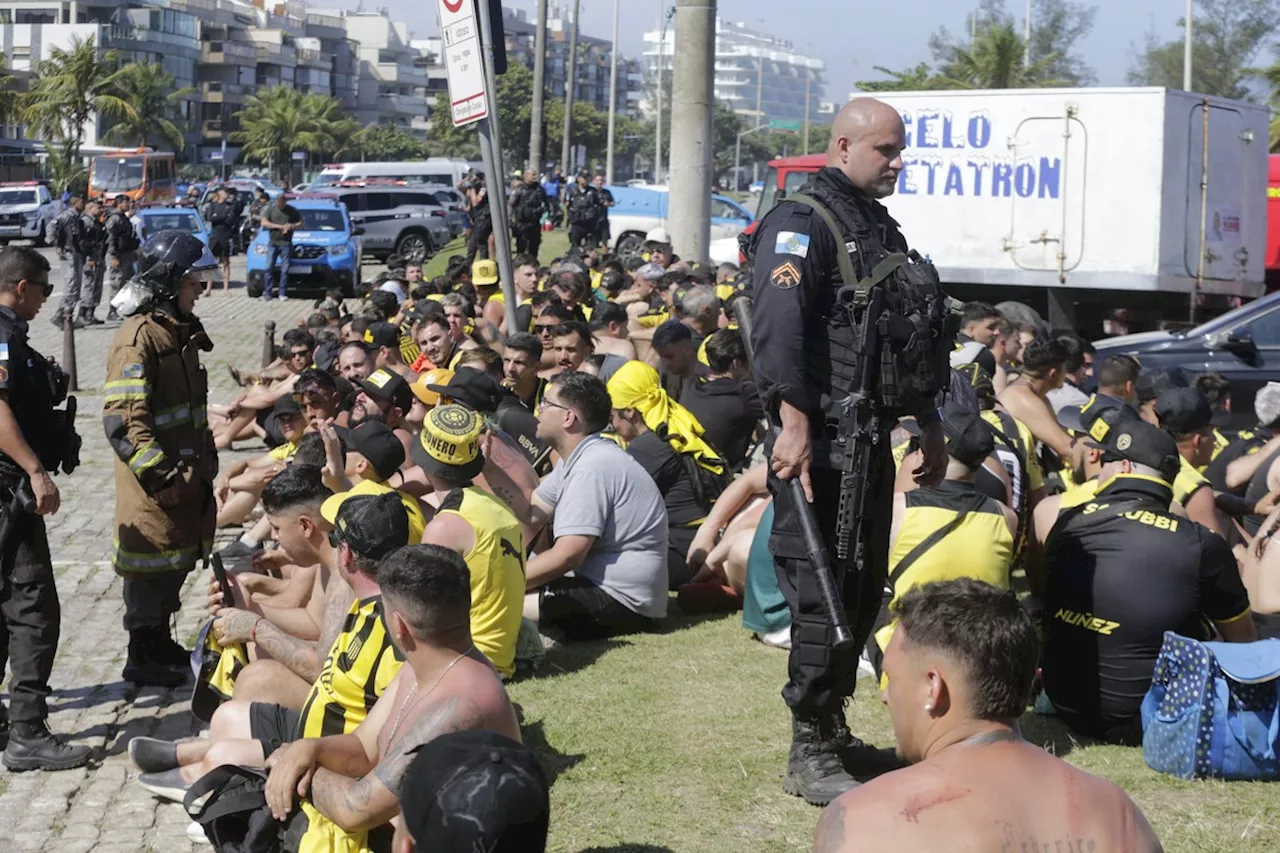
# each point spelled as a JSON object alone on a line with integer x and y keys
{"x": 460, "y": 37}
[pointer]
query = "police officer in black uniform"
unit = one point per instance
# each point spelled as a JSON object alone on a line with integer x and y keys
{"x": 804, "y": 368}
{"x": 35, "y": 440}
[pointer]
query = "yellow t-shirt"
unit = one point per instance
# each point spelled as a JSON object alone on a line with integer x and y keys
{"x": 284, "y": 452}
{"x": 1188, "y": 482}
{"x": 496, "y": 563}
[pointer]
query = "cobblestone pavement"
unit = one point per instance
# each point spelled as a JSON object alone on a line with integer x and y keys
{"x": 99, "y": 808}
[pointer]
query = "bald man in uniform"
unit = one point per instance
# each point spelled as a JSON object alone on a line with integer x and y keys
{"x": 806, "y": 364}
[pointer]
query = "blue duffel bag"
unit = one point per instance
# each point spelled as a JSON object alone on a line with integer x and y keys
{"x": 1213, "y": 710}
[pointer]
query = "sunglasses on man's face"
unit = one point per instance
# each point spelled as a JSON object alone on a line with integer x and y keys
{"x": 300, "y": 353}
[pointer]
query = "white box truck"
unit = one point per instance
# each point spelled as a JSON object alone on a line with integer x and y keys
{"x": 1096, "y": 196}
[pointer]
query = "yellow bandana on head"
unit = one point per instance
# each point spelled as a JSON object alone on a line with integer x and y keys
{"x": 636, "y": 386}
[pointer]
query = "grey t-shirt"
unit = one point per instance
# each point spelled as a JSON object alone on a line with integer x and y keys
{"x": 601, "y": 491}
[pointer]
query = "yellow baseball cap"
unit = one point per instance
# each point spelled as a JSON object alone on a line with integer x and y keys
{"x": 421, "y": 386}
{"x": 449, "y": 444}
{"x": 365, "y": 488}
{"x": 484, "y": 272}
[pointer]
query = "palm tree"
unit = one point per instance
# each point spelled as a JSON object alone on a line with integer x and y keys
{"x": 280, "y": 120}
{"x": 6, "y": 91}
{"x": 148, "y": 89}
{"x": 1271, "y": 74}
{"x": 995, "y": 59}
{"x": 68, "y": 90}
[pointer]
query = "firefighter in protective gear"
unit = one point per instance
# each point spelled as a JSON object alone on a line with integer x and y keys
{"x": 155, "y": 420}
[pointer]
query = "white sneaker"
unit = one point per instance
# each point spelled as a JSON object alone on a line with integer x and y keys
{"x": 196, "y": 833}
{"x": 779, "y": 639}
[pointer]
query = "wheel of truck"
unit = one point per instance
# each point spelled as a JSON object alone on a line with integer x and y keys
{"x": 253, "y": 289}
{"x": 38, "y": 240}
{"x": 630, "y": 244}
{"x": 414, "y": 246}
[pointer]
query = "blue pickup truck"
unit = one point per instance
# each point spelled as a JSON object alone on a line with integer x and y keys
{"x": 326, "y": 250}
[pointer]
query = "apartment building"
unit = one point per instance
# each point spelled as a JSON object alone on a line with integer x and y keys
{"x": 757, "y": 74}
{"x": 225, "y": 51}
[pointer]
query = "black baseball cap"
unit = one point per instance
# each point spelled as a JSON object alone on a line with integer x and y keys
{"x": 1154, "y": 382}
{"x": 286, "y": 405}
{"x": 326, "y": 356}
{"x": 373, "y": 525}
{"x": 1185, "y": 410}
{"x": 476, "y": 790}
{"x": 1121, "y": 434}
{"x": 376, "y": 442}
{"x": 385, "y": 384}
{"x": 969, "y": 439}
{"x": 382, "y": 335}
{"x": 1079, "y": 419}
{"x": 471, "y": 388}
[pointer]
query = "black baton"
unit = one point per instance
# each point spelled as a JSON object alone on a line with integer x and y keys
{"x": 819, "y": 558}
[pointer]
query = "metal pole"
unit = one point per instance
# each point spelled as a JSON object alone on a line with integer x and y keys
{"x": 1186, "y": 51}
{"x": 69, "y": 353}
{"x": 539, "y": 88}
{"x": 1204, "y": 207}
{"x": 692, "y": 140}
{"x": 737, "y": 153}
{"x": 657, "y": 136}
{"x": 491, "y": 153}
{"x": 755, "y": 167}
{"x": 568, "y": 97}
{"x": 613, "y": 96}
{"x": 268, "y": 342}
{"x": 1026, "y": 47}
{"x": 807, "y": 78}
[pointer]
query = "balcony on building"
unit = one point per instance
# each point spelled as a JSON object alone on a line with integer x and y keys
{"x": 319, "y": 25}
{"x": 313, "y": 58}
{"x": 211, "y": 128}
{"x": 276, "y": 54}
{"x": 407, "y": 105}
{"x": 228, "y": 53}
{"x": 217, "y": 92}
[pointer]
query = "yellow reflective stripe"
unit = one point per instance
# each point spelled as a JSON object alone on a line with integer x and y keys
{"x": 151, "y": 561}
{"x": 125, "y": 390}
{"x": 145, "y": 458}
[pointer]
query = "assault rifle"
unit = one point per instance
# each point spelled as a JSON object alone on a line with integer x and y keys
{"x": 809, "y": 530}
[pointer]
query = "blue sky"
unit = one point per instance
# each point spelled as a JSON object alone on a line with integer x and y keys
{"x": 830, "y": 29}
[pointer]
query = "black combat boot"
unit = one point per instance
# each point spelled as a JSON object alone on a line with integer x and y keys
{"x": 4, "y": 725}
{"x": 860, "y": 759}
{"x": 814, "y": 769}
{"x": 112, "y": 314}
{"x": 165, "y": 650}
{"x": 142, "y": 666}
{"x": 33, "y": 747}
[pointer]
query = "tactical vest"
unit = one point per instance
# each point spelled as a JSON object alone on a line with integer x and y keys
{"x": 916, "y": 325}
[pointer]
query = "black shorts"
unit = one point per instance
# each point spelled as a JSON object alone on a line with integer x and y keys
{"x": 584, "y": 611}
{"x": 220, "y": 243}
{"x": 273, "y": 725}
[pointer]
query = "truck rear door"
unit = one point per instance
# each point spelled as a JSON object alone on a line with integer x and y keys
{"x": 1222, "y": 205}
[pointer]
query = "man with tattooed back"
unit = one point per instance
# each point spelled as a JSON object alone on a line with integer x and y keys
{"x": 960, "y": 667}
{"x": 349, "y": 784}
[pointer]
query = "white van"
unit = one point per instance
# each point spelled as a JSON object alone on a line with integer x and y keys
{"x": 446, "y": 171}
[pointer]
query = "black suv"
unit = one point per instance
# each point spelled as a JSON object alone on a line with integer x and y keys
{"x": 1243, "y": 345}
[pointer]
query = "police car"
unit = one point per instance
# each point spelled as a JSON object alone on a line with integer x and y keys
{"x": 26, "y": 209}
{"x": 326, "y": 253}
{"x": 156, "y": 219}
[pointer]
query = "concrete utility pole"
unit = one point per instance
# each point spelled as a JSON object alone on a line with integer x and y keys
{"x": 664, "y": 15}
{"x": 539, "y": 87}
{"x": 808, "y": 77}
{"x": 613, "y": 96}
{"x": 568, "y": 94}
{"x": 1186, "y": 49}
{"x": 1026, "y": 38}
{"x": 692, "y": 141}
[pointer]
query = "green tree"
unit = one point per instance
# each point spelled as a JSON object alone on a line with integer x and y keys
{"x": 1225, "y": 38}
{"x": 1271, "y": 75}
{"x": 6, "y": 90}
{"x": 919, "y": 78}
{"x": 153, "y": 108}
{"x": 386, "y": 142}
{"x": 1058, "y": 27}
{"x": 994, "y": 59}
{"x": 281, "y": 120}
{"x": 69, "y": 88}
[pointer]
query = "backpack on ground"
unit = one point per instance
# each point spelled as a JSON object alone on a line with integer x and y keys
{"x": 230, "y": 804}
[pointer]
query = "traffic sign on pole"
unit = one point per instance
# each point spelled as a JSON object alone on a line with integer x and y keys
{"x": 463, "y": 61}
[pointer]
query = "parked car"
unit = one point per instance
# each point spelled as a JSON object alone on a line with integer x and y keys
{"x": 453, "y": 203}
{"x": 1243, "y": 345}
{"x": 173, "y": 218}
{"x": 402, "y": 220}
{"x": 26, "y": 209}
{"x": 636, "y": 211}
{"x": 326, "y": 251}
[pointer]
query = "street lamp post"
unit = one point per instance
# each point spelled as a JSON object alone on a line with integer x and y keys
{"x": 613, "y": 97}
{"x": 663, "y": 18}
{"x": 1186, "y": 49}
{"x": 737, "y": 153}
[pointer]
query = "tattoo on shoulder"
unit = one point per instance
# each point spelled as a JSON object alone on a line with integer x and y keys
{"x": 455, "y": 714}
{"x": 830, "y": 836}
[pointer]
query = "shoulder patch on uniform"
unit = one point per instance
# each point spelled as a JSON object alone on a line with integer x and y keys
{"x": 785, "y": 275}
{"x": 4, "y": 352}
{"x": 132, "y": 371}
{"x": 791, "y": 243}
{"x": 4, "y": 374}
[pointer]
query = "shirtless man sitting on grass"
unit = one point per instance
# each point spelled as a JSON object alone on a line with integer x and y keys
{"x": 352, "y": 781}
{"x": 960, "y": 667}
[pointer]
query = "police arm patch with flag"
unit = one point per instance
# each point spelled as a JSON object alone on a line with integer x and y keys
{"x": 785, "y": 275}
{"x": 791, "y": 243}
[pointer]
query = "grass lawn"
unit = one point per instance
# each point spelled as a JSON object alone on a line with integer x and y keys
{"x": 677, "y": 742}
{"x": 554, "y": 244}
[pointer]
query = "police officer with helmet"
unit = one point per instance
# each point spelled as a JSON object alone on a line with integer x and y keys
{"x": 155, "y": 420}
{"x": 806, "y": 344}
{"x": 36, "y": 439}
